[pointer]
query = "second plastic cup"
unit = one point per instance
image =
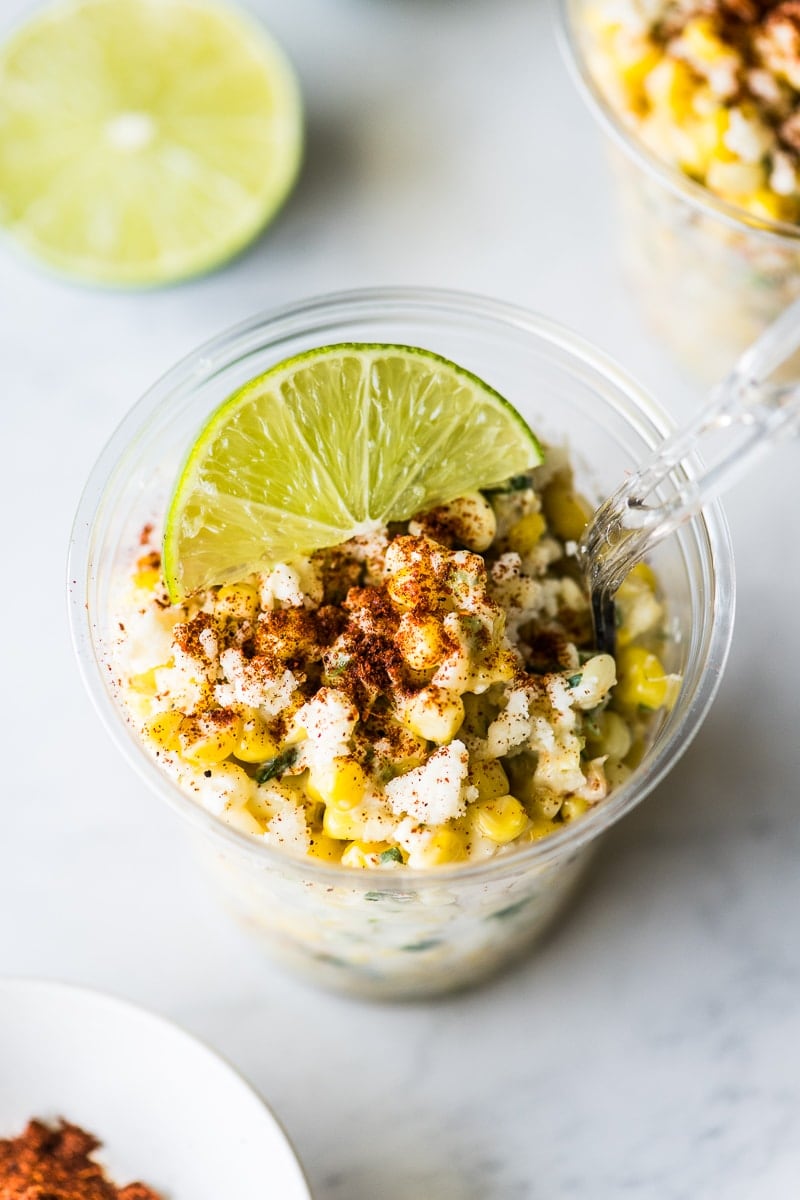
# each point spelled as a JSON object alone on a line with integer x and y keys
{"x": 708, "y": 276}
{"x": 403, "y": 933}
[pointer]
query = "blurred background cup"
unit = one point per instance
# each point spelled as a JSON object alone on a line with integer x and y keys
{"x": 402, "y": 933}
{"x": 708, "y": 276}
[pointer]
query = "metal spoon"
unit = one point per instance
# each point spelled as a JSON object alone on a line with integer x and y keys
{"x": 747, "y": 414}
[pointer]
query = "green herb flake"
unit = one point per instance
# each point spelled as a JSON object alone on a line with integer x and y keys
{"x": 338, "y": 668}
{"x": 393, "y": 854}
{"x": 517, "y": 483}
{"x": 574, "y": 680}
{"x": 273, "y": 768}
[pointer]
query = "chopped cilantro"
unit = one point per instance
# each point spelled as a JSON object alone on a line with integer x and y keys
{"x": 339, "y": 667}
{"x": 273, "y": 768}
{"x": 574, "y": 680}
{"x": 393, "y": 854}
{"x": 517, "y": 483}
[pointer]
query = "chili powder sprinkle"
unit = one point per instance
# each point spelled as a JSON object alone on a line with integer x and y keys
{"x": 46, "y": 1163}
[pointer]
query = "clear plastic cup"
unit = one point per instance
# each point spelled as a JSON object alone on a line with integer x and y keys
{"x": 708, "y": 275}
{"x": 404, "y": 933}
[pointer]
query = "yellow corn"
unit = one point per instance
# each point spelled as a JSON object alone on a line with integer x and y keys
{"x": 205, "y": 743}
{"x": 541, "y": 828}
{"x": 642, "y": 680}
{"x": 368, "y": 854}
{"x": 420, "y": 641}
{"x": 326, "y": 848}
{"x": 703, "y": 143}
{"x": 567, "y": 513}
{"x": 613, "y": 735}
{"x": 490, "y": 779}
{"x": 634, "y": 64}
{"x": 163, "y": 729}
{"x": 343, "y": 784}
{"x": 734, "y": 180}
{"x": 403, "y": 587}
{"x": 256, "y": 743}
{"x": 670, "y": 88}
{"x": 445, "y": 846}
{"x": 771, "y": 206}
{"x": 148, "y": 578}
{"x": 523, "y": 536}
{"x": 145, "y": 683}
{"x": 342, "y": 824}
{"x": 239, "y": 600}
{"x": 574, "y": 807}
{"x": 435, "y": 714}
{"x": 700, "y": 38}
{"x": 502, "y": 819}
{"x": 644, "y": 573}
{"x": 546, "y": 804}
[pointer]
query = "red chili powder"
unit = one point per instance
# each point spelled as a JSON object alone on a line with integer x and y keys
{"x": 54, "y": 1164}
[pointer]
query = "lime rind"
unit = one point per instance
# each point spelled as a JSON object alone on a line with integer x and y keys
{"x": 333, "y": 442}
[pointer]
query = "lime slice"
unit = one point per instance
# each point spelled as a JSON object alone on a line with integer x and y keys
{"x": 335, "y": 442}
{"x": 142, "y": 141}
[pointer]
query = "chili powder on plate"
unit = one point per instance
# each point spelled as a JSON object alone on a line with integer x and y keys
{"x": 54, "y": 1164}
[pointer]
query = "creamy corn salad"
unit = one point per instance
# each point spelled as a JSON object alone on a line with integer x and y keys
{"x": 422, "y": 696}
{"x": 713, "y": 88}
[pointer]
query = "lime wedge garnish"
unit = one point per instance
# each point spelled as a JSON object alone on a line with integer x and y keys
{"x": 143, "y": 141}
{"x": 332, "y": 443}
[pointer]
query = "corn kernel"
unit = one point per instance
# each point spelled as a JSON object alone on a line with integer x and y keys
{"x": 574, "y": 807}
{"x": 489, "y": 778}
{"x": 420, "y": 641}
{"x": 699, "y": 36}
{"x": 163, "y": 729}
{"x": 255, "y": 743}
{"x": 435, "y": 714}
{"x": 369, "y": 854}
{"x": 642, "y": 680}
{"x": 342, "y": 785}
{"x": 767, "y": 204}
{"x": 645, "y": 574}
{"x": 342, "y": 825}
{"x": 502, "y": 819}
{"x": 238, "y": 600}
{"x": 567, "y": 512}
{"x": 524, "y": 535}
{"x": 634, "y": 66}
{"x": 205, "y": 743}
{"x": 703, "y": 143}
{"x": 546, "y": 804}
{"x": 540, "y": 828}
{"x": 325, "y": 848}
{"x": 243, "y": 820}
{"x": 445, "y": 846}
{"x": 145, "y": 683}
{"x": 403, "y": 587}
{"x": 735, "y": 180}
{"x": 670, "y": 87}
{"x": 147, "y": 579}
{"x": 612, "y": 736}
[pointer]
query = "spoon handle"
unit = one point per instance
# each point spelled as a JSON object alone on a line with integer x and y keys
{"x": 748, "y": 413}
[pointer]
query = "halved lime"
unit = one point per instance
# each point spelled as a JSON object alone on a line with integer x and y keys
{"x": 142, "y": 141}
{"x": 332, "y": 443}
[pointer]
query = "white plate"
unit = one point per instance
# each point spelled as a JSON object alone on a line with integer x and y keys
{"x": 168, "y": 1111}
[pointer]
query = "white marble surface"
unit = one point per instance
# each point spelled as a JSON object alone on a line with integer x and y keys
{"x": 650, "y": 1049}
